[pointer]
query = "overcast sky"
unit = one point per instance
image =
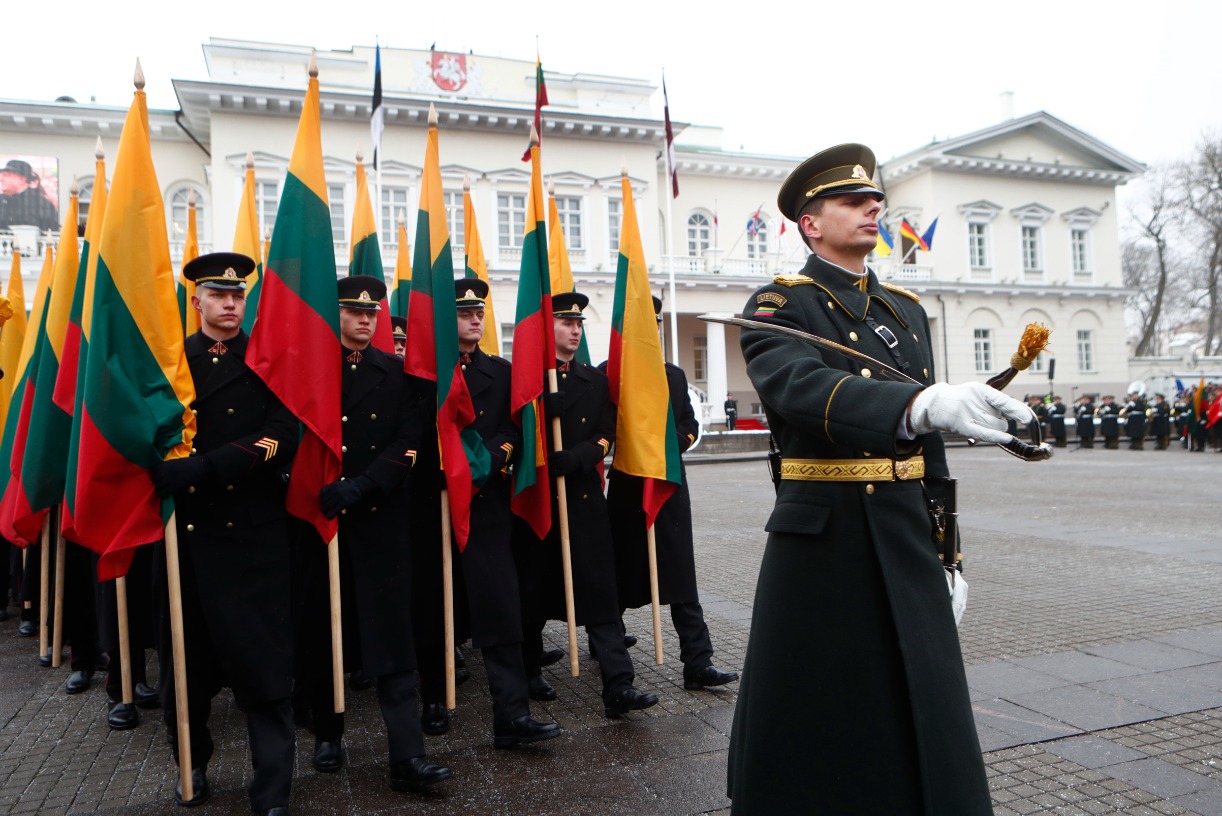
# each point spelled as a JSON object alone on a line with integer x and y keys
{"x": 782, "y": 78}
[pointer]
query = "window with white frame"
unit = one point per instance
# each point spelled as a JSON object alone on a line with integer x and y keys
{"x": 179, "y": 208}
{"x": 615, "y": 214}
{"x": 455, "y": 218}
{"x": 1038, "y": 365}
{"x": 568, "y": 208}
{"x": 757, "y": 239}
{"x": 84, "y": 196}
{"x": 511, "y": 219}
{"x": 1033, "y": 262}
{"x": 335, "y": 192}
{"x": 699, "y": 234}
{"x": 700, "y": 359}
{"x": 1031, "y": 219}
{"x": 394, "y": 204}
{"x": 1086, "y": 350}
{"x": 267, "y": 199}
{"x": 978, "y": 245}
{"x": 983, "y": 344}
{"x": 1079, "y": 247}
{"x": 507, "y": 341}
{"x": 979, "y": 216}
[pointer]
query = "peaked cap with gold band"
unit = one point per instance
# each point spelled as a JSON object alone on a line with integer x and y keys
{"x": 219, "y": 270}
{"x": 398, "y": 327}
{"x": 569, "y": 305}
{"x": 361, "y": 292}
{"x": 470, "y": 293}
{"x": 840, "y": 170}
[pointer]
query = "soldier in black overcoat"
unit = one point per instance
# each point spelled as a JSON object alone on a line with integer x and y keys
{"x": 674, "y": 543}
{"x": 587, "y": 432}
{"x": 233, "y": 539}
{"x": 854, "y": 697}
{"x": 485, "y": 573}
{"x": 1109, "y": 422}
{"x": 1134, "y": 413}
{"x": 1160, "y": 422}
{"x": 1084, "y": 414}
{"x": 381, "y": 434}
{"x": 1056, "y": 422}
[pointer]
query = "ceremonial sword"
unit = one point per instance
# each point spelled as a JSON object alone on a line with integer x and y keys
{"x": 1015, "y": 447}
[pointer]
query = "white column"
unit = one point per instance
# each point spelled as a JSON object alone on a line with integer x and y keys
{"x": 716, "y": 362}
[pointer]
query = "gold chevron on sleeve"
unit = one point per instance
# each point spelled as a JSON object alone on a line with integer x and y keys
{"x": 606, "y": 445}
{"x": 410, "y": 454}
{"x": 269, "y": 445}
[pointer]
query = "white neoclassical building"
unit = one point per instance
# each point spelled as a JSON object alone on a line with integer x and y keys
{"x": 1026, "y": 210}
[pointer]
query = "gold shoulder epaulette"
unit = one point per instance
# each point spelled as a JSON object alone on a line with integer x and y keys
{"x": 899, "y": 290}
{"x": 792, "y": 280}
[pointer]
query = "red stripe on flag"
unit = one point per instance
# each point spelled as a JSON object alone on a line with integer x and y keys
{"x": 65, "y": 381}
{"x": 653, "y": 495}
{"x": 455, "y": 413}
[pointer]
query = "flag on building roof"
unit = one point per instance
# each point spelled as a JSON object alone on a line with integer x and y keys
{"x": 69, "y": 384}
{"x": 247, "y": 241}
{"x": 885, "y": 242}
{"x": 377, "y": 118}
{"x": 38, "y": 468}
{"x": 909, "y": 232}
{"x": 927, "y": 238}
{"x": 186, "y": 289}
{"x": 670, "y": 143}
{"x": 477, "y": 267}
{"x": 432, "y": 345}
{"x": 534, "y": 352}
{"x": 365, "y": 255}
{"x": 295, "y": 346}
{"x": 558, "y": 263}
{"x": 18, "y": 364}
{"x": 754, "y": 224}
{"x": 135, "y": 403}
{"x": 540, "y": 101}
{"x": 402, "y": 286}
{"x": 646, "y": 443}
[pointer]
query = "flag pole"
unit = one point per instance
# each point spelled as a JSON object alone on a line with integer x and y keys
{"x": 125, "y": 646}
{"x": 671, "y": 181}
{"x": 654, "y": 596}
{"x": 174, "y": 585}
{"x": 57, "y": 638}
{"x": 566, "y": 554}
{"x": 447, "y": 601}
{"x": 44, "y": 596}
{"x": 337, "y": 625}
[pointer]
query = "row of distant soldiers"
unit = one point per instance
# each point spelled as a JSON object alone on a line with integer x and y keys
{"x": 1137, "y": 418}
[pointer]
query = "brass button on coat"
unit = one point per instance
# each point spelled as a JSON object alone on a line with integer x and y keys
{"x": 870, "y": 489}
{"x": 865, "y": 372}
{"x": 191, "y": 489}
{"x": 229, "y": 411}
{"x": 229, "y": 525}
{"x": 190, "y": 528}
{"x": 343, "y": 448}
{"x": 853, "y": 336}
{"x": 343, "y": 419}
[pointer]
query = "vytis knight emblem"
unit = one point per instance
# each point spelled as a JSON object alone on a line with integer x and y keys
{"x": 449, "y": 71}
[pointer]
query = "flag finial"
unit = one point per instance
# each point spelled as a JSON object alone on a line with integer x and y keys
{"x": 623, "y": 167}
{"x": 402, "y": 217}
{"x": 360, "y": 156}
{"x": 250, "y": 160}
{"x": 534, "y": 136}
{"x": 466, "y": 182}
{"x": 313, "y": 70}
{"x": 551, "y": 187}
{"x": 138, "y": 79}
{"x": 432, "y": 115}
{"x": 191, "y": 198}
{"x": 98, "y": 152}
{"x": 267, "y": 233}
{"x": 75, "y": 188}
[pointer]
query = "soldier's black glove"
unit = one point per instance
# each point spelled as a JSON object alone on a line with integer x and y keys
{"x": 553, "y": 403}
{"x": 177, "y": 475}
{"x": 341, "y": 495}
{"x": 563, "y": 463}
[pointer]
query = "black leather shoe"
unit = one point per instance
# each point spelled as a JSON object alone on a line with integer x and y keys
{"x": 540, "y": 689}
{"x": 359, "y": 681}
{"x": 417, "y": 774}
{"x": 523, "y": 730}
{"x": 122, "y": 716}
{"x": 44, "y": 660}
{"x": 145, "y": 696}
{"x": 199, "y": 785}
{"x": 435, "y": 720}
{"x": 78, "y": 682}
{"x": 550, "y": 656}
{"x": 629, "y": 700}
{"x": 27, "y": 629}
{"x": 629, "y": 641}
{"x": 708, "y": 676}
{"x": 328, "y": 758}
{"x": 276, "y": 811}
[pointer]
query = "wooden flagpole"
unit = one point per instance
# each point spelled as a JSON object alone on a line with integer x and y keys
{"x": 125, "y": 646}
{"x": 447, "y": 601}
{"x": 57, "y": 638}
{"x": 654, "y": 596}
{"x": 45, "y": 586}
{"x": 174, "y": 584}
{"x": 566, "y": 555}
{"x": 337, "y": 625}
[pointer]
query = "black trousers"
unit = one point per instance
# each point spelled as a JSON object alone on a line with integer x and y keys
{"x": 695, "y": 645}
{"x": 80, "y": 605}
{"x": 140, "y": 617}
{"x": 401, "y": 713}
{"x": 607, "y": 644}
{"x": 506, "y": 680}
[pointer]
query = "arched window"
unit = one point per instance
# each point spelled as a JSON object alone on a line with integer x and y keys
{"x": 699, "y": 234}
{"x": 84, "y": 196}
{"x": 176, "y": 214}
{"x": 757, "y": 239}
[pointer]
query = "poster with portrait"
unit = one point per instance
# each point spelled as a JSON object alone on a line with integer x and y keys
{"x": 29, "y": 192}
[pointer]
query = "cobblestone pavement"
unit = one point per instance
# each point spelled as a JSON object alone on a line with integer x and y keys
{"x": 1093, "y": 642}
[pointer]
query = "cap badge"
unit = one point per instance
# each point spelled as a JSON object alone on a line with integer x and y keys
{"x": 230, "y": 273}
{"x": 470, "y": 295}
{"x": 860, "y": 172}
{"x": 365, "y": 298}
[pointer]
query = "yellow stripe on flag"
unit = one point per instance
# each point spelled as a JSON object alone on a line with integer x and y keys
{"x": 490, "y": 343}
{"x": 12, "y": 339}
{"x": 63, "y": 280}
{"x": 309, "y": 143}
{"x": 557, "y": 251}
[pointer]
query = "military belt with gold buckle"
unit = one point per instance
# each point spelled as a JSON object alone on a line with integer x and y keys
{"x": 853, "y": 470}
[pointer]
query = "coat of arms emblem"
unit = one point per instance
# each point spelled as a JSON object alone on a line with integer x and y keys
{"x": 449, "y": 71}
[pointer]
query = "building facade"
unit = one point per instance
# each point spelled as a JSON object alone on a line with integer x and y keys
{"x": 1026, "y": 211}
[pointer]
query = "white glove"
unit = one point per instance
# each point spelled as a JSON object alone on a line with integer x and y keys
{"x": 973, "y": 409}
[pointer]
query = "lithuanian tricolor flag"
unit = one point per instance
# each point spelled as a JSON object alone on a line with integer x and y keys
{"x": 247, "y": 241}
{"x": 477, "y": 267}
{"x": 432, "y": 345}
{"x": 186, "y": 288}
{"x": 13, "y": 334}
{"x": 17, "y": 359}
{"x": 365, "y": 255}
{"x": 402, "y": 286}
{"x": 295, "y": 344}
{"x": 534, "y": 352}
{"x": 68, "y": 384}
{"x": 645, "y": 440}
{"x": 135, "y": 403}
{"x": 39, "y": 466}
{"x": 562, "y": 272}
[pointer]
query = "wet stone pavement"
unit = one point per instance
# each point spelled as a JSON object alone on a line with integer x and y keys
{"x": 1093, "y": 644}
